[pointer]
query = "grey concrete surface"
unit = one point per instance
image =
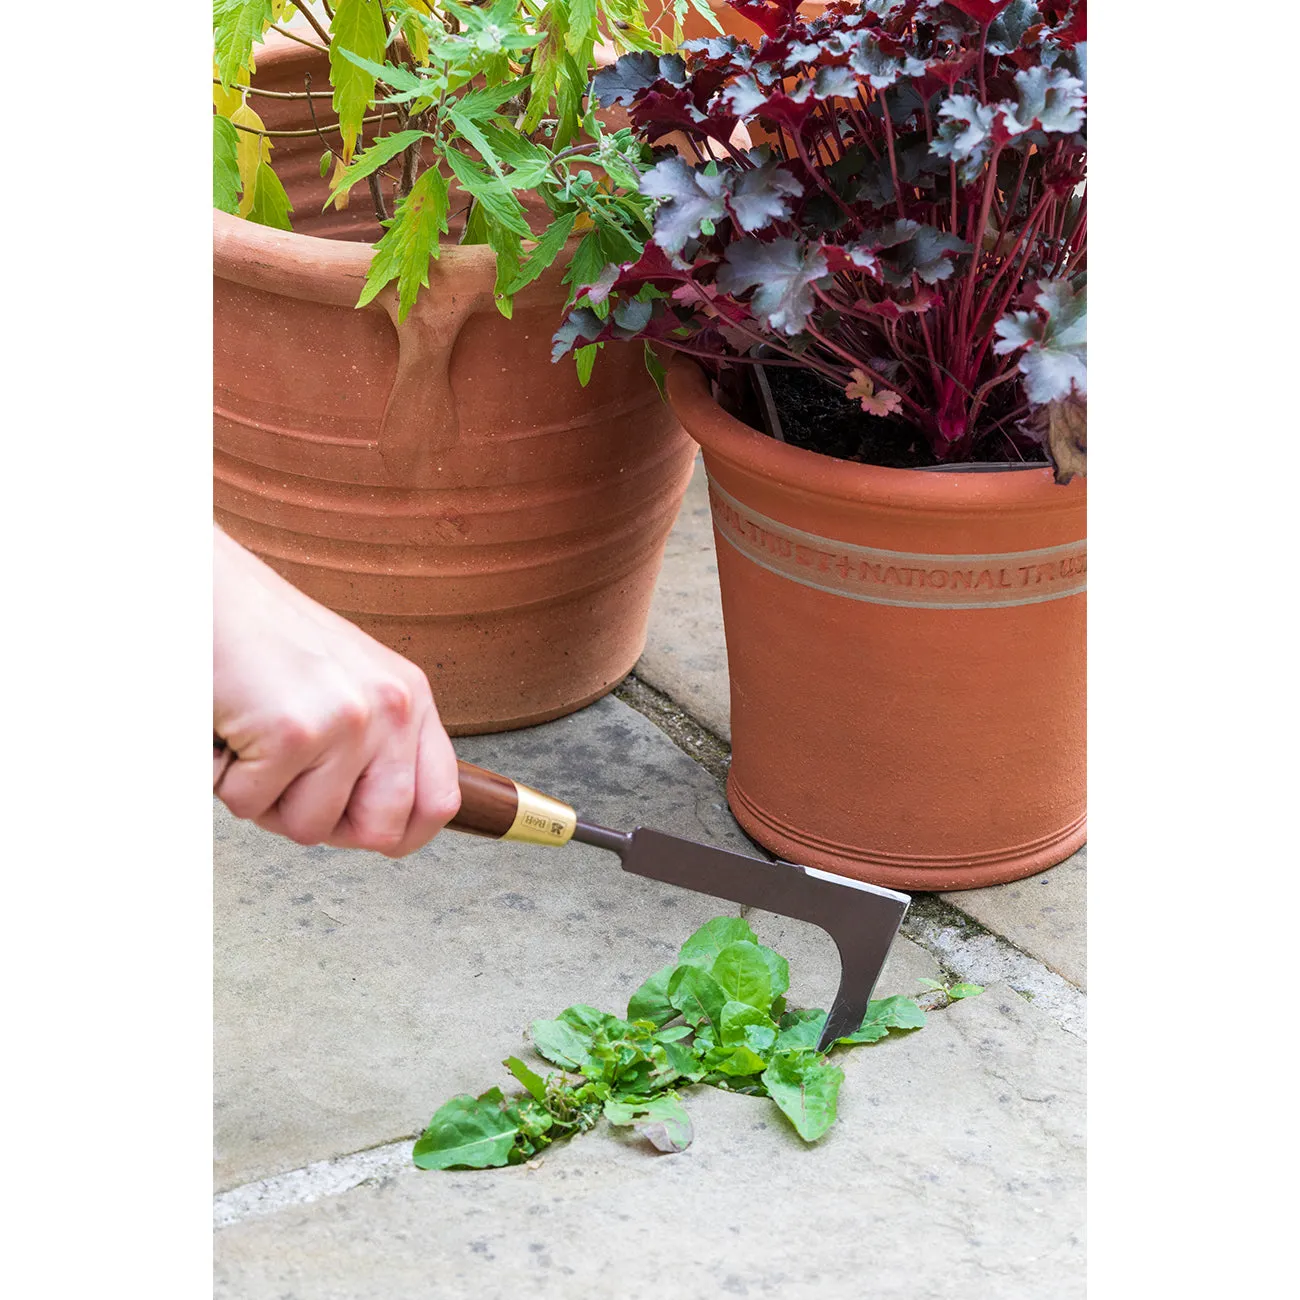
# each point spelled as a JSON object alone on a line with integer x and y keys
{"x": 956, "y": 1169}
{"x": 686, "y": 652}
{"x": 1044, "y": 915}
{"x": 355, "y": 994}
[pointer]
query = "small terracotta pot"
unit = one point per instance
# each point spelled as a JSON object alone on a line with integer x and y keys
{"x": 439, "y": 482}
{"x": 907, "y": 657}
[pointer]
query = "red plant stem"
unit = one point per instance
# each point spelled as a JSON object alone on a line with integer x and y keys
{"x": 1029, "y": 231}
{"x": 984, "y": 37}
{"x": 739, "y": 326}
{"x": 1011, "y": 286}
{"x": 1010, "y": 214}
{"x": 977, "y": 250}
{"x": 893, "y": 160}
{"x": 929, "y": 348}
{"x": 981, "y": 393}
{"x": 866, "y": 126}
{"x": 952, "y": 190}
{"x": 816, "y": 173}
{"x": 1069, "y": 244}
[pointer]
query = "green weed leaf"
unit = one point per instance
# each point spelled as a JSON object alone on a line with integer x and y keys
{"x": 805, "y": 1087}
{"x": 467, "y": 1133}
{"x": 662, "y": 1121}
{"x": 703, "y": 947}
{"x": 800, "y": 1029}
{"x": 884, "y": 1015}
{"x": 958, "y": 991}
{"x": 650, "y": 1001}
{"x": 743, "y": 974}
{"x": 697, "y": 995}
{"x": 561, "y": 1044}
{"x": 533, "y": 1082}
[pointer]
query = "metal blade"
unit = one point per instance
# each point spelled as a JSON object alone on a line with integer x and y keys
{"x": 862, "y": 919}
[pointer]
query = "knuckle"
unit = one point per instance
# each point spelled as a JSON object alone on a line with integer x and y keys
{"x": 395, "y": 700}
{"x": 294, "y": 734}
{"x": 352, "y": 717}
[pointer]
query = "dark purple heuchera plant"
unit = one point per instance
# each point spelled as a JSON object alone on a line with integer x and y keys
{"x": 916, "y": 232}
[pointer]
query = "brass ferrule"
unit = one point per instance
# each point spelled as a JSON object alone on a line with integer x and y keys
{"x": 540, "y": 819}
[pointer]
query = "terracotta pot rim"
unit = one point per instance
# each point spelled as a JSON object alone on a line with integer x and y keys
{"x": 721, "y": 434}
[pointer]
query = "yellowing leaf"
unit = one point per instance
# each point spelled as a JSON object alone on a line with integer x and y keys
{"x": 227, "y": 101}
{"x": 249, "y": 153}
{"x": 340, "y": 199}
{"x": 885, "y": 403}
{"x": 416, "y": 35}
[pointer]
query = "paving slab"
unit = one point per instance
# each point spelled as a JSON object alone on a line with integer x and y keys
{"x": 1044, "y": 915}
{"x": 956, "y": 1169}
{"x": 354, "y": 993}
{"x": 686, "y": 651}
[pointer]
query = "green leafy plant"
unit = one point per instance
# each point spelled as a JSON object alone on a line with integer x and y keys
{"x": 486, "y": 102}
{"x": 717, "y": 1015}
{"x": 945, "y": 993}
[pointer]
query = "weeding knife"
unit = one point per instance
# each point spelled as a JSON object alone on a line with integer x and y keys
{"x": 862, "y": 919}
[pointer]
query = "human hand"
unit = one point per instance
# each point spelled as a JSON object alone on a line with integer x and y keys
{"x": 335, "y": 738}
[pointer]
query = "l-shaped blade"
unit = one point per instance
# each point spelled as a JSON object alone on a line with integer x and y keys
{"x": 862, "y": 919}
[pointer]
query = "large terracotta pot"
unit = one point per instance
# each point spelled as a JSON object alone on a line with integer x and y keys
{"x": 439, "y": 482}
{"x": 907, "y": 657}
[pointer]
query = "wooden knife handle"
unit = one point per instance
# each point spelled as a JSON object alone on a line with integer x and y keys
{"x": 502, "y": 809}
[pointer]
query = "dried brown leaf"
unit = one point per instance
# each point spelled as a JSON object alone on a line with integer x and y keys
{"x": 885, "y": 403}
{"x": 1063, "y": 428}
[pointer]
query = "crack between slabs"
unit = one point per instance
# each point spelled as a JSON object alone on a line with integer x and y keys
{"x": 312, "y": 1182}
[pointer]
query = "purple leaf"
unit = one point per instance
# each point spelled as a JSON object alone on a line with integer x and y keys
{"x": 1054, "y": 339}
{"x": 967, "y": 132}
{"x": 759, "y": 196}
{"x": 743, "y": 96}
{"x": 687, "y": 198}
{"x": 1050, "y": 99}
{"x": 623, "y": 81}
{"x": 784, "y": 275}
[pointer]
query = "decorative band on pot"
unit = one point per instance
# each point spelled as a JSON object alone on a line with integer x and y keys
{"x": 883, "y": 577}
